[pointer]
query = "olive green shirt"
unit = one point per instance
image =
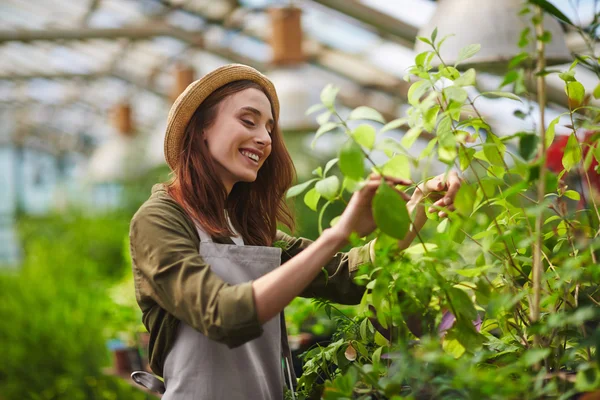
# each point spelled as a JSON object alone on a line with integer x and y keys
{"x": 173, "y": 283}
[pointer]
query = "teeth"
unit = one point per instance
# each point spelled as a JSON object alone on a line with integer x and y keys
{"x": 250, "y": 155}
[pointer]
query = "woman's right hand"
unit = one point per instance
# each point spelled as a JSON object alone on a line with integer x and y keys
{"x": 358, "y": 215}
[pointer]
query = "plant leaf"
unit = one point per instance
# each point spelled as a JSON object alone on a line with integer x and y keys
{"x": 364, "y": 135}
{"x": 397, "y": 167}
{"x": 467, "y": 52}
{"x": 552, "y": 10}
{"x": 311, "y": 199}
{"x": 466, "y": 79}
{"x": 507, "y": 95}
{"x": 328, "y": 187}
{"x": 397, "y": 123}
{"x": 297, "y": 189}
{"x": 390, "y": 212}
{"x": 326, "y": 127}
{"x": 351, "y": 160}
{"x": 575, "y": 91}
{"x": 572, "y": 155}
{"x": 329, "y": 164}
{"x": 369, "y": 113}
{"x": 314, "y": 108}
{"x": 328, "y": 95}
{"x": 551, "y": 132}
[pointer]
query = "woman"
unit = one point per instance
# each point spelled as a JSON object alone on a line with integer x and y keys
{"x": 209, "y": 282}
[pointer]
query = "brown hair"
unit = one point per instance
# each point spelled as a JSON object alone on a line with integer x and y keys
{"x": 253, "y": 207}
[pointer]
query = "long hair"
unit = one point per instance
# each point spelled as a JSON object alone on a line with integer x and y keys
{"x": 254, "y": 208}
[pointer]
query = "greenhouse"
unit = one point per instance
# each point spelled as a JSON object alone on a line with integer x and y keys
{"x": 272, "y": 199}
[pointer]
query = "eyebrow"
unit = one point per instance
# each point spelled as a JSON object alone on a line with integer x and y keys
{"x": 258, "y": 114}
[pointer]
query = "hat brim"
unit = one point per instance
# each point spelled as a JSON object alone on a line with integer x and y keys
{"x": 186, "y": 104}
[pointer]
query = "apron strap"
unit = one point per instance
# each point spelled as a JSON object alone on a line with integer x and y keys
{"x": 287, "y": 355}
{"x": 204, "y": 237}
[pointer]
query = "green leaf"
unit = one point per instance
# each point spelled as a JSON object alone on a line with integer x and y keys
{"x": 328, "y": 187}
{"x": 351, "y": 160}
{"x": 389, "y": 212}
{"x": 397, "y": 123}
{"x": 587, "y": 379}
{"x": 518, "y": 59}
{"x": 552, "y": 10}
{"x": 318, "y": 172}
{"x": 450, "y": 73}
{"x": 328, "y": 95}
{"x": 507, "y": 95}
{"x": 466, "y": 79}
{"x": 568, "y": 76}
{"x": 326, "y": 127}
{"x": 573, "y": 195}
{"x": 572, "y": 155}
{"x": 465, "y": 200}
{"x": 472, "y": 272}
{"x": 311, "y": 199}
{"x": 551, "y": 131}
{"x": 434, "y": 35}
{"x": 456, "y": 93}
{"x": 296, "y": 190}
{"x": 409, "y": 137}
{"x": 329, "y": 164}
{"x": 417, "y": 90}
{"x": 453, "y": 347}
{"x": 467, "y": 52}
{"x": 462, "y": 304}
{"x": 364, "y": 135}
{"x": 494, "y": 150}
{"x": 424, "y": 40}
{"x": 575, "y": 91}
{"x": 363, "y": 112}
{"x": 314, "y": 108}
{"x": 465, "y": 156}
{"x": 534, "y": 356}
{"x": 524, "y": 37}
{"x": 596, "y": 92}
{"x": 528, "y": 146}
{"x": 397, "y": 167}
{"x": 589, "y": 157}
{"x": 430, "y": 118}
{"x": 323, "y": 118}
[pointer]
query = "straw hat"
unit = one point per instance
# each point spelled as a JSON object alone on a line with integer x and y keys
{"x": 188, "y": 101}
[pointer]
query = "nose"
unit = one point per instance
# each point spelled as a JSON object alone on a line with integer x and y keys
{"x": 263, "y": 138}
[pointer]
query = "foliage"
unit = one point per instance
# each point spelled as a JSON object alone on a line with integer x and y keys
{"x": 57, "y": 309}
{"x": 458, "y": 315}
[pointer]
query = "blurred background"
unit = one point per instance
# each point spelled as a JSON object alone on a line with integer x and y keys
{"x": 85, "y": 89}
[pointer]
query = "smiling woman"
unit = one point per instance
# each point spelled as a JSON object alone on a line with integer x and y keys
{"x": 211, "y": 287}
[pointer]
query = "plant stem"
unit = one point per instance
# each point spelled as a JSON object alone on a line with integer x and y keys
{"x": 539, "y": 222}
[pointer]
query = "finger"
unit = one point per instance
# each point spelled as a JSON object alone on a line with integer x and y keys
{"x": 398, "y": 181}
{"x": 453, "y": 184}
{"x": 446, "y": 211}
{"x": 434, "y": 185}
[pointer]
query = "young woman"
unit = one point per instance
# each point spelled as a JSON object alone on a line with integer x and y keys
{"x": 209, "y": 282}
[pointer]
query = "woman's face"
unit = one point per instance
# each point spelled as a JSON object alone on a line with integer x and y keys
{"x": 239, "y": 140}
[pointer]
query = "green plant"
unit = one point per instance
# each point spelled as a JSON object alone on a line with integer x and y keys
{"x": 505, "y": 290}
{"x": 57, "y": 311}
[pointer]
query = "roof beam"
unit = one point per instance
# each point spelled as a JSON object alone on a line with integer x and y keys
{"x": 194, "y": 38}
{"x": 384, "y": 24}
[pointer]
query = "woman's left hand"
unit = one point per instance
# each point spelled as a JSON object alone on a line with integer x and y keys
{"x": 441, "y": 190}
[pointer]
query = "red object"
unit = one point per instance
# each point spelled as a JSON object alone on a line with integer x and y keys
{"x": 555, "y": 154}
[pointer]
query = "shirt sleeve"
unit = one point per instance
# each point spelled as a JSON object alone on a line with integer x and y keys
{"x": 338, "y": 283}
{"x": 164, "y": 251}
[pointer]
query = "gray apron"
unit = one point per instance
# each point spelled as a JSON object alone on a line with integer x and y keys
{"x": 199, "y": 368}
